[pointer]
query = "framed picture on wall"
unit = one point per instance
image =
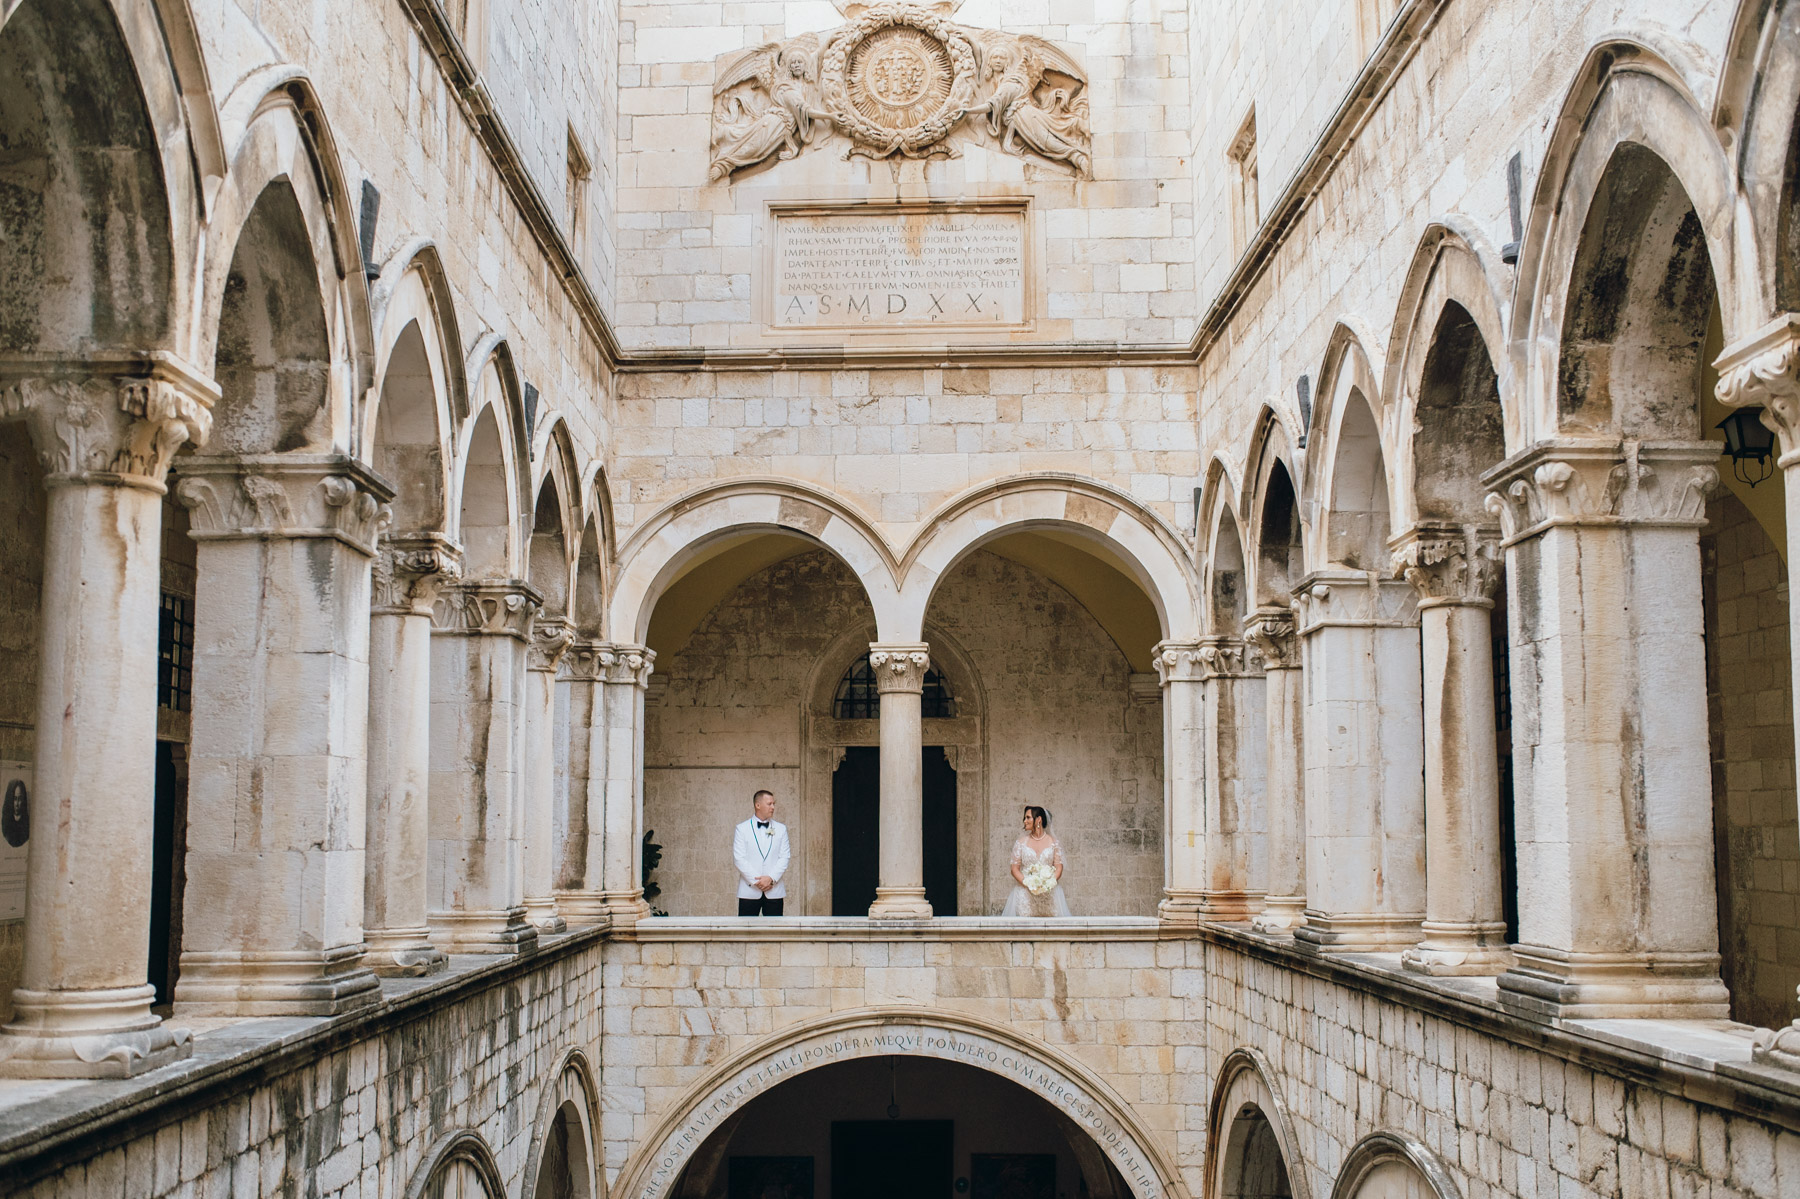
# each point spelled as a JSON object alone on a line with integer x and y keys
{"x": 770, "y": 1178}
{"x": 1011, "y": 1176}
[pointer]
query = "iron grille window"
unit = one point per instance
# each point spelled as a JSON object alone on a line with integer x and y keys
{"x": 175, "y": 653}
{"x": 857, "y": 698}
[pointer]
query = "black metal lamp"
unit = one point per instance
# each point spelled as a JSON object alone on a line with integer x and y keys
{"x": 1746, "y": 438}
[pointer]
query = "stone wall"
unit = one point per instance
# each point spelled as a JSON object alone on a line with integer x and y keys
{"x": 1752, "y": 724}
{"x": 346, "y": 1110}
{"x": 1045, "y": 716}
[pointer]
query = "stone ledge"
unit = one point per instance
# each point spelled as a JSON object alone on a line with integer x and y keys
{"x": 46, "y": 1123}
{"x": 861, "y": 928}
{"x": 1705, "y": 1061}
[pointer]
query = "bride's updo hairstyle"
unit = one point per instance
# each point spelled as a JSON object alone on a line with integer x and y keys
{"x": 1042, "y": 814}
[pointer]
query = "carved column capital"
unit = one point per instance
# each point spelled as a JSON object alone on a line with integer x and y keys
{"x": 1180, "y": 662}
{"x": 409, "y": 571}
{"x": 1606, "y": 481}
{"x": 115, "y": 419}
{"x": 900, "y": 667}
{"x": 1271, "y": 632}
{"x": 583, "y": 663}
{"x": 627, "y": 665}
{"x": 1222, "y": 657}
{"x": 550, "y": 639}
{"x": 297, "y": 496}
{"x": 1763, "y": 370}
{"x": 486, "y": 608}
{"x": 1449, "y": 565}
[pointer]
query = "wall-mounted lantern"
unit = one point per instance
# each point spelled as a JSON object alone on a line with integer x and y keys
{"x": 1747, "y": 438}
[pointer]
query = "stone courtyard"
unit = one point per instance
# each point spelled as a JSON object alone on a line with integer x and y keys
{"x": 454, "y": 456}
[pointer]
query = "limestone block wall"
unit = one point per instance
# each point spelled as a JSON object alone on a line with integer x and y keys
{"x": 1046, "y": 716}
{"x": 1117, "y": 250}
{"x": 1750, "y": 713}
{"x": 355, "y": 1114}
{"x": 900, "y": 443}
{"x": 1506, "y": 1116}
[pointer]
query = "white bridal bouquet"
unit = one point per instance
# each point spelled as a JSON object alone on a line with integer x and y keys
{"x": 1040, "y": 879}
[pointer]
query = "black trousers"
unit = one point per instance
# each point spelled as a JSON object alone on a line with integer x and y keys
{"x": 762, "y": 905}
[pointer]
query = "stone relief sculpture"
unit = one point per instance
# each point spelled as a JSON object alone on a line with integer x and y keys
{"x": 899, "y": 79}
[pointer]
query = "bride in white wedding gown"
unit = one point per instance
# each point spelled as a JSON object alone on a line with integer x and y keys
{"x": 1034, "y": 855}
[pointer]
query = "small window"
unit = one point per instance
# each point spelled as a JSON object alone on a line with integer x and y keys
{"x": 175, "y": 653}
{"x": 858, "y": 699}
{"x": 1246, "y": 213}
{"x": 579, "y": 172}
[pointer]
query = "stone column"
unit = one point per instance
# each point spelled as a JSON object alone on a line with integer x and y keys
{"x": 1233, "y": 746}
{"x": 550, "y": 638}
{"x": 409, "y": 572}
{"x": 1365, "y": 800}
{"x": 272, "y": 922}
{"x": 900, "y": 679}
{"x": 105, "y": 431}
{"x": 1617, "y": 915}
{"x": 1270, "y": 632}
{"x": 581, "y": 891}
{"x": 627, "y": 669}
{"x": 1454, "y": 571}
{"x": 1763, "y": 371}
{"x": 479, "y": 634}
{"x": 1182, "y": 672}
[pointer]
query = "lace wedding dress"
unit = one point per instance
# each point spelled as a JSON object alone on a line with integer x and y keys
{"x": 1022, "y": 902}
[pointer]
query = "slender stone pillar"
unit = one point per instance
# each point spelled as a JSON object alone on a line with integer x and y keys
{"x": 1454, "y": 571}
{"x": 900, "y": 679}
{"x": 479, "y": 633}
{"x": 1365, "y": 801}
{"x": 1232, "y": 886}
{"x": 409, "y": 572}
{"x": 627, "y": 669}
{"x": 1182, "y": 672}
{"x": 1763, "y": 371}
{"x": 1270, "y": 631}
{"x": 105, "y": 431}
{"x": 1617, "y": 915}
{"x": 272, "y": 920}
{"x": 550, "y": 638}
{"x": 580, "y": 886}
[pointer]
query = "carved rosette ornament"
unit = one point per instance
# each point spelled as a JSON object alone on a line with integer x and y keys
{"x": 1273, "y": 637}
{"x": 899, "y": 79}
{"x": 1603, "y": 482}
{"x": 108, "y": 420}
{"x": 1447, "y": 565}
{"x": 1763, "y": 371}
{"x": 550, "y": 640}
{"x": 899, "y": 667}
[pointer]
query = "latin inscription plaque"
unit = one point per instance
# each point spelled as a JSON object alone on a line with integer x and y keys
{"x": 899, "y": 268}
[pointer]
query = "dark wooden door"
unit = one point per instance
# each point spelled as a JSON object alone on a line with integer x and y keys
{"x": 891, "y": 1159}
{"x": 855, "y": 831}
{"x": 939, "y": 830}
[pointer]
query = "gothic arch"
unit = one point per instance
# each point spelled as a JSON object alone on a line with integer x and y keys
{"x": 1392, "y": 1165}
{"x": 1246, "y": 1085}
{"x": 407, "y": 419}
{"x": 1276, "y": 555}
{"x": 485, "y": 496}
{"x": 1124, "y": 533}
{"x": 459, "y": 1165}
{"x": 555, "y": 530}
{"x": 412, "y": 289}
{"x": 1626, "y": 95}
{"x": 1349, "y": 478}
{"x": 1140, "y": 1157}
{"x": 1754, "y": 113}
{"x": 566, "y": 1134}
{"x": 1224, "y": 574}
{"x": 660, "y": 550}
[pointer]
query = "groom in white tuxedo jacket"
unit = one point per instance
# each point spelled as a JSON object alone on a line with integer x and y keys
{"x": 759, "y": 849}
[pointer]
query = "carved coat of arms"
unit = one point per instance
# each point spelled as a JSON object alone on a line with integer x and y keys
{"x": 897, "y": 80}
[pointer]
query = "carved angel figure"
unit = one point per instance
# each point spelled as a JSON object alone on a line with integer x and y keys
{"x": 784, "y": 73}
{"x": 1056, "y": 129}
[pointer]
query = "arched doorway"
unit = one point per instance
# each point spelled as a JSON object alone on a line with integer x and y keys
{"x": 880, "y": 1067}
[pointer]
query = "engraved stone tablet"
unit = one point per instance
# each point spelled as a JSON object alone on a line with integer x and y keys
{"x": 899, "y": 267}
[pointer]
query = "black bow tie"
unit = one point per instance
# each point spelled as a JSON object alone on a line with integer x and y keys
{"x": 762, "y": 824}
